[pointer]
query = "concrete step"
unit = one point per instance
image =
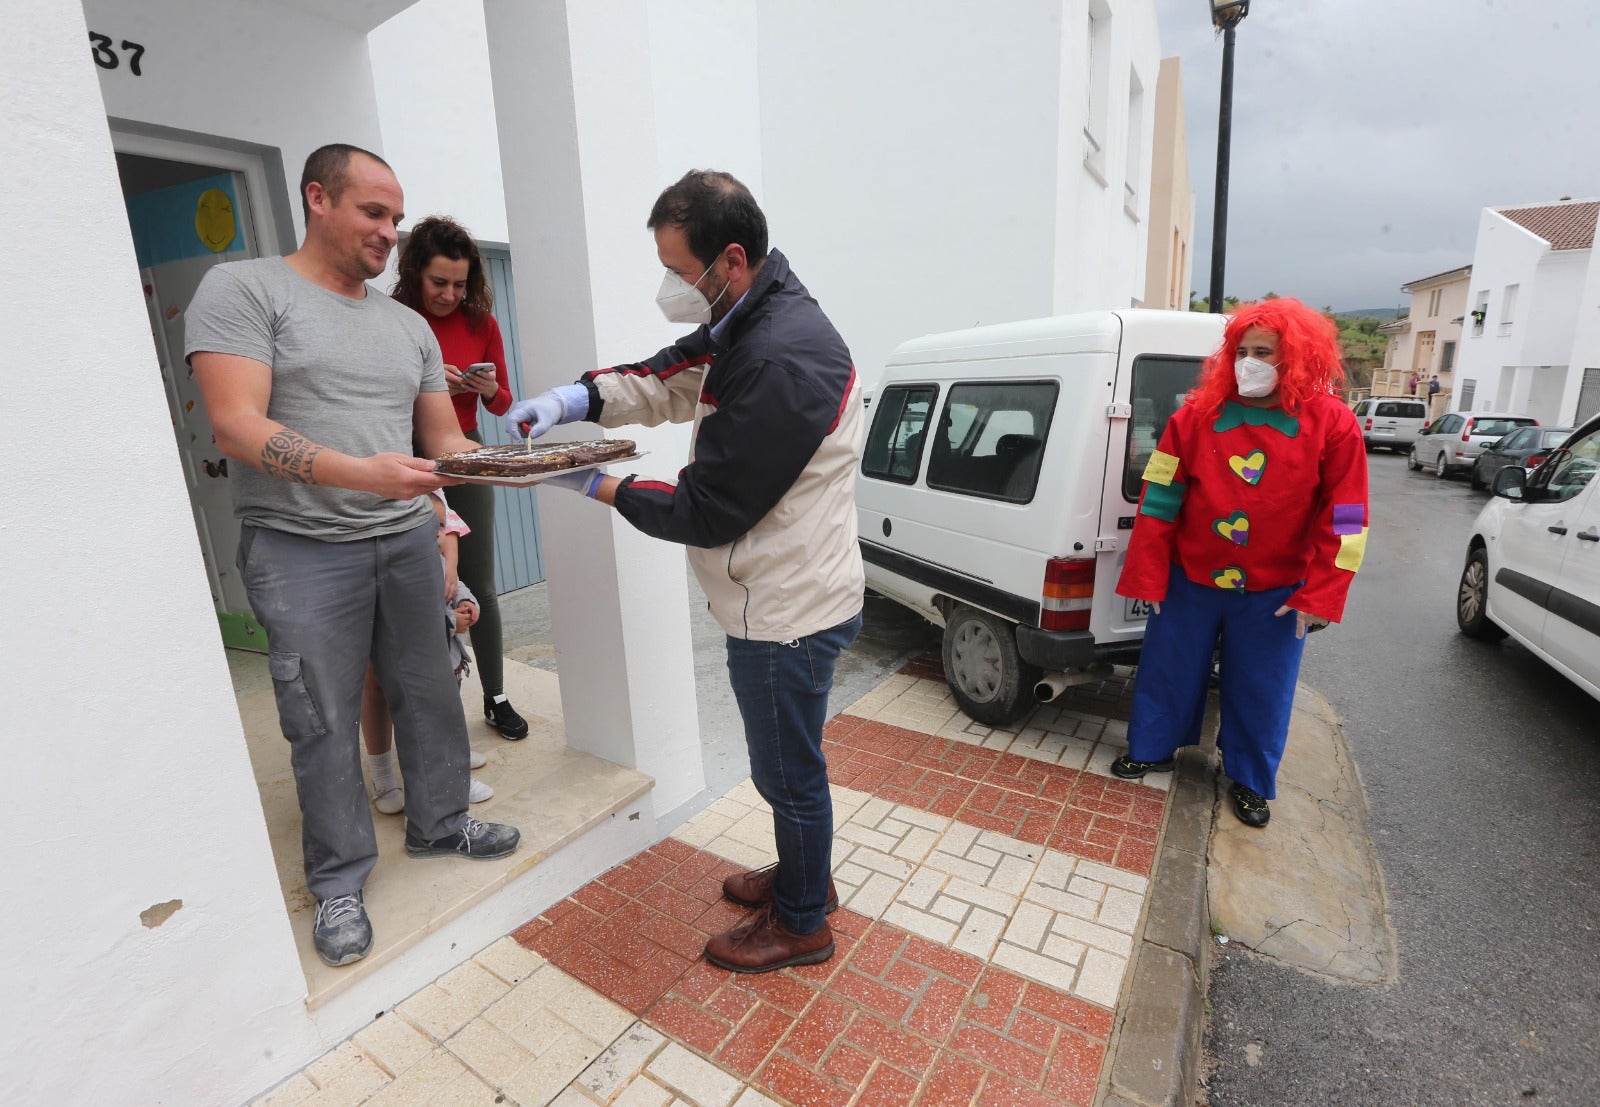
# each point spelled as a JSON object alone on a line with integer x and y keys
{"x": 578, "y": 815}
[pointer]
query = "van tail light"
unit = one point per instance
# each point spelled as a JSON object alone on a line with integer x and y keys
{"x": 1068, "y": 593}
{"x": 1466, "y": 430}
{"x": 1369, "y": 422}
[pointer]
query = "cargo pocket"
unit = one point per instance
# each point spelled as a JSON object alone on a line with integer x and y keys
{"x": 297, "y": 712}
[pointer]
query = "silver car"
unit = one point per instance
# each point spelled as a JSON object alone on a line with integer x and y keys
{"x": 1452, "y": 442}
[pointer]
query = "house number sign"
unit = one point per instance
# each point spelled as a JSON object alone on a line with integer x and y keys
{"x": 106, "y": 56}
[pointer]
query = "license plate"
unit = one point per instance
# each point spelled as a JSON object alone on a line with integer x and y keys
{"x": 1380, "y": 431}
{"x": 1137, "y": 609}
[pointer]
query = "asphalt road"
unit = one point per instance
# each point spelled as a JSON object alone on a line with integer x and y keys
{"x": 1480, "y": 765}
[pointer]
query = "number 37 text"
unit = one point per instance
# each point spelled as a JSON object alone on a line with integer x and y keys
{"x": 107, "y": 58}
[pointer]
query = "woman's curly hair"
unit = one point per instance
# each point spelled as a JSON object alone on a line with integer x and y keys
{"x": 431, "y": 237}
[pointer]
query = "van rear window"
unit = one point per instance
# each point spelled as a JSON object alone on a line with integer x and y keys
{"x": 1159, "y": 386}
{"x": 990, "y": 439}
{"x": 899, "y": 424}
{"x": 1401, "y": 410}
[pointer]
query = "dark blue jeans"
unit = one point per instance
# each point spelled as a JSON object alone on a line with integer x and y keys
{"x": 782, "y": 689}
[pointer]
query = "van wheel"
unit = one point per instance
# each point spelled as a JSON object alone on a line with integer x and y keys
{"x": 1413, "y": 462}
{"x": 1472, "y": 599}
{"x": 988, "y": 677}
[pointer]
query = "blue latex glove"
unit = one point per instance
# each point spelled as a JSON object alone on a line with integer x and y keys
{"x": 586, "y": 482}
{"x": 532, "y": 418}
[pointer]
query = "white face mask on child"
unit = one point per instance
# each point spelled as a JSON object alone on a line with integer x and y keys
{"x": 1256, "y": 378}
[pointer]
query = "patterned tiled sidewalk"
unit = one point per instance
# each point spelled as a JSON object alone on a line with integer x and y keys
{"x": 992, "y": 883}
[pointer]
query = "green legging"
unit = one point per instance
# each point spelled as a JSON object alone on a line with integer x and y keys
{"x": 475, "y": 504}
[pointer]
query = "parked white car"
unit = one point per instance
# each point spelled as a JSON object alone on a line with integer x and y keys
{"x": 1452, "y": 442}
{"x": 1533, "y": 560}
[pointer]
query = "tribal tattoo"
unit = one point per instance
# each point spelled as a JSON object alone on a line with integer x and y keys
{"x": 288, "y": 456}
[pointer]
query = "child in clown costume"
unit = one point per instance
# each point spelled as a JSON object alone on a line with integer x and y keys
{"x": 1252, "y": 524}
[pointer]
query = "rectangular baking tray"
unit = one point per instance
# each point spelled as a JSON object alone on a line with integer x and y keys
{"x": 535, "y": 478}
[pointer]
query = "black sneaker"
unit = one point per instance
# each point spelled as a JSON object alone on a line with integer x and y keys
{"x": 342, "y": 932}
{"x": 477, "y": 840}
{"x": 1250, "y": 806}
{"x": 504, "y": 718}
{"x": 1129, "y": 769}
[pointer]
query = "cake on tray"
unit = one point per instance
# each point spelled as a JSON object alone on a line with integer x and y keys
{"x": 517, "y": 460}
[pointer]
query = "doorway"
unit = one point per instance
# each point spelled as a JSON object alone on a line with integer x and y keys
{"x": 190, "y": 208}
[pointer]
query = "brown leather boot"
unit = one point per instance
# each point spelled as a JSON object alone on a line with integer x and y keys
{"x": 754, "y": 889}
{"x": 762, "y": 943}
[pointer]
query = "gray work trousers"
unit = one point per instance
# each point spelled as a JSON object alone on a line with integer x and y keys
{"x": 327, "y": 608}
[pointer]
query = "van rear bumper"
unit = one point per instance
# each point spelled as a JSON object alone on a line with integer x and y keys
{"x": 1070, "y": 649}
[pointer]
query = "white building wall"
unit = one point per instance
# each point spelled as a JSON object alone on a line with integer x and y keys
{"x": 1505, "y": 254}
{"x": 430, "y": 70}
{"x": 1585, "y": 352}
{"x": 1101, "y": 241}
{"x": 224, "y": 70}
{"x": 923, "y": 162}
{"x": 133, "y": 788}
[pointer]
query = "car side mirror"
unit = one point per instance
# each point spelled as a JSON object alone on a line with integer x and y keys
{"x": 1511, "y": 482}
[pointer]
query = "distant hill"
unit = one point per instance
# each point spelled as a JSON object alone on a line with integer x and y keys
{"x": 1383, "y": 314}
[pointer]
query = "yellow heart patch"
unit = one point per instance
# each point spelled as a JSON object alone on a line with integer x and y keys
{"x": 1248, "y": 468}
{"x": 1231, "y": 578}
{"x": 1235, "y": 528}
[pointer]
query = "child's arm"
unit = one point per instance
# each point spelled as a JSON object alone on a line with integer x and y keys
{"x": 450, "y": 550}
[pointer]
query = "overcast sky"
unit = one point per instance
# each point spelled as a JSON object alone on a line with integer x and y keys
{"x": 1369, "y": 134}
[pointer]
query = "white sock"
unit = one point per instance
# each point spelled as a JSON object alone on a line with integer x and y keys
{"x": 385, "y": 772}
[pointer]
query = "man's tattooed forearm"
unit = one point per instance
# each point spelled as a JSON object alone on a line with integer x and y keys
{"x": 288, "y": 456}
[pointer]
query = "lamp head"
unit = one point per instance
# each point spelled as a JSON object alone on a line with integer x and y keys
{"x": 1227, "y": 13}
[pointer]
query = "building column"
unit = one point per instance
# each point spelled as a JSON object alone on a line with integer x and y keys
{"x": 578, "y": 150}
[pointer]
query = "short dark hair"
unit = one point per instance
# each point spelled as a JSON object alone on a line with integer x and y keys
{"x": 714, "y": 210}
{"x": 329, "y": 166}
{"x": 432, "y": 237}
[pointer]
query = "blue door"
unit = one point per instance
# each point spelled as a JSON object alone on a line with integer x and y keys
{"x": 517, "y": 562}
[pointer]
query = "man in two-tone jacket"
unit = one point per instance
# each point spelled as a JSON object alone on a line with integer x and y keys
{"x": 766, "y": 507}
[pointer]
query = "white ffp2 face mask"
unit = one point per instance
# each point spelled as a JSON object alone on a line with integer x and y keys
{"x": 1256, "y": 378}
{"x": 682, "y": 302}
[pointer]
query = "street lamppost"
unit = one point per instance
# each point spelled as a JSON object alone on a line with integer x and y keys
{"x": 1225, "y": 16}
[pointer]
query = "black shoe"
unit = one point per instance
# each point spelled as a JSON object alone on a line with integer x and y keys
{"x": 477, "y": 840}
{"x": 1129, "y": 769}
{"x": 342, "y": 932}
{"x": 1250, "y": 806}
{"x": 504, "y": 718}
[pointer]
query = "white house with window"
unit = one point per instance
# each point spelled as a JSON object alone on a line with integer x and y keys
{"x": 1530, "y": 342}
{"x": 1426, "y": 341}
{"x": 926, "y": 166}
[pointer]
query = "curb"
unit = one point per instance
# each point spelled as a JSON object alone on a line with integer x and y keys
{"x": 1157, "y": 1041}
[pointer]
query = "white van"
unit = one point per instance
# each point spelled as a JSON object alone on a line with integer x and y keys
{"x": 1392, "y": 421}
{"x": 999, "y": 482}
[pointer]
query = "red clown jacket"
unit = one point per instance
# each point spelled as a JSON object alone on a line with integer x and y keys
{"x": 1254, "y": 499}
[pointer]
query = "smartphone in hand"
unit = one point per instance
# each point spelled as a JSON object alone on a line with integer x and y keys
{"x": 481, "y": 367}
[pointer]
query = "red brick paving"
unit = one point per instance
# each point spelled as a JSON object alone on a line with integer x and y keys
{"x": 892, "y": 1019}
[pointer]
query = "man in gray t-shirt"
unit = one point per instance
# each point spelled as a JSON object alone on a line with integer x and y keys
{"x": 323, "y": 387}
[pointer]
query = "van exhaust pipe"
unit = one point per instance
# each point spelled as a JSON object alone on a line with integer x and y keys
{"x": 1051, "y": 685}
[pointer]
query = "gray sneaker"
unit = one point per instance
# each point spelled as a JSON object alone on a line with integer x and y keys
{"x": 342, "y": 932}
{"x": 478, "y": 840}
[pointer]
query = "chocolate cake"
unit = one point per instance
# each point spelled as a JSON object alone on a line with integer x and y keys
{"x": 517, "y": 460}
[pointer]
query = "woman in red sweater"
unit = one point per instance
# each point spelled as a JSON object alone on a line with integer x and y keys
{"x": 442, "y": 278}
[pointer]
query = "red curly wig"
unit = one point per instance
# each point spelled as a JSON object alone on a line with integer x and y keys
{"x": 1309, "y": 361}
